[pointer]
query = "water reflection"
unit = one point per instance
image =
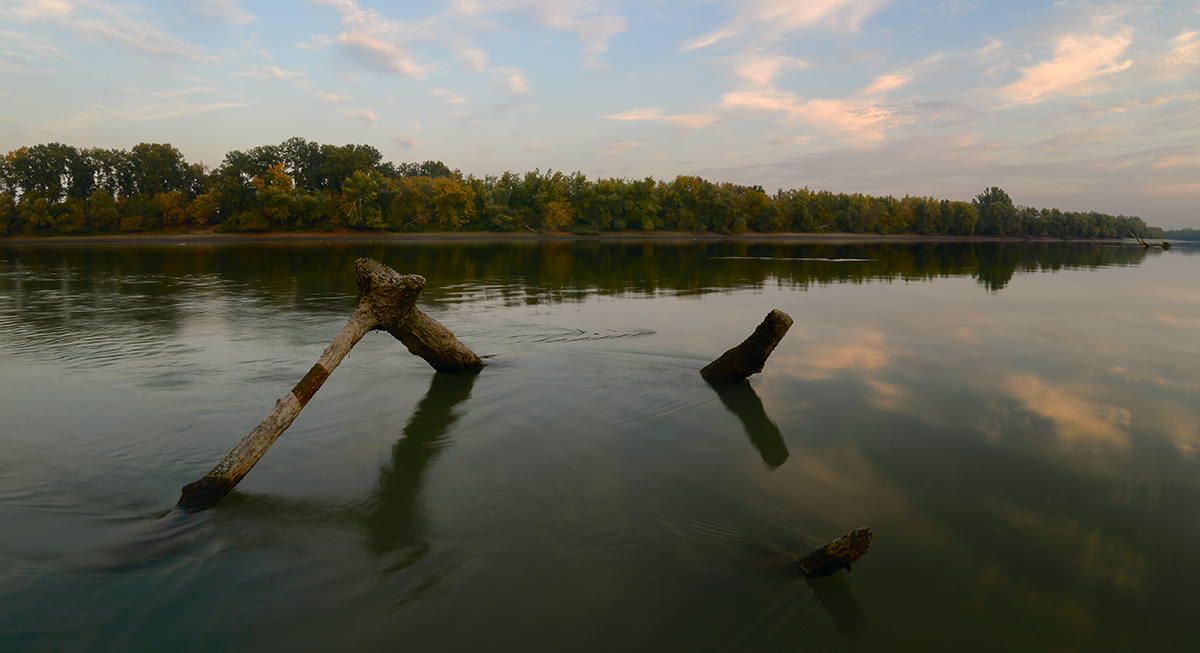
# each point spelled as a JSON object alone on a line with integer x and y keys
{"x": 743, "y": 402}
{"x": 393, "y": 518}
{"x": 554, "y": 270}
{"x": 1027, "y": 445}
{"x": 836, "y": 598}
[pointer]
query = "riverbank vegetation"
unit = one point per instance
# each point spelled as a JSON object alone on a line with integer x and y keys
{"x": 299, "y": 185}
{"x": 1182, "y": 234}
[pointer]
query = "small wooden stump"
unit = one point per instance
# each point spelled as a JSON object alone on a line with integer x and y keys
{"x": 386, "y": 300}
{"x": 838, "y": 554}
{"x": 749, "y": 357}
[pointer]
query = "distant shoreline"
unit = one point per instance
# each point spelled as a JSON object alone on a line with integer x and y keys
{"x": 515, "y": 237}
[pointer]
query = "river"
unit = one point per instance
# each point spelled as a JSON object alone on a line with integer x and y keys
{"x": 1017, "y": 423}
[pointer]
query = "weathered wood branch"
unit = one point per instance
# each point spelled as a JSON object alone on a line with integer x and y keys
{"x": 838, "y": 554}
{"x": 393, "y": 302}
{"x": 749, "y": 357}
{"x": 1146, "y": 245}
{"x": 385, "y": 301}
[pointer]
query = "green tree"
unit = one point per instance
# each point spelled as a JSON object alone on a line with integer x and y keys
{"x": 997, "y": 216}
{"x": 359, "y": 193}
{"x": 453, "y": 203}
{"x": 8, "y": 214}
{"x": 103, "y": 210}
{"x": 201, "y": 209}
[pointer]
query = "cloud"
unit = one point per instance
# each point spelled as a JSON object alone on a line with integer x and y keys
{"x": 103, "y": 22}
{"x": 28, "y": 46}
{"x": 885, "y": 83}
{"x": 375, "y": 41}
{"x": 686, "y": 121}
{"x": 1070, "y": 139}
{"x": 761, "y": 70}
{"x": 268, "y": 73}
{"x": 779, "y": 141}
{"x": 1075, "y": 419}
{"x": 406, "y": 141}
{"x": 773, "y": 19}
{"x": 1097, "y": 108}
{"x": 173, "y": 93}
{"x": 579, "y": 17}
{"x": 16, "y": 68}
{"x": 1181, "y": 59}
{"x": 65, "y": 135}
{"x": 514, "y": 81}
{"x": 534, "y": 146}
{"x": 332, "y": 98}
{"x": 365, "y": 117}
{"x": 1078, "y": 61}
{"x": 1182, "y": 188}
{"x": 388, "y": 45}
{"x": 839, "y": 117}
{"x": 229, "y": 11}
{"x": 475, "y": 59}
{"x": 1170, "y": 161}
{"x": 953, "y": 7}
{"x": 453, "y": 98}
{"x": 174, "y": 110}
{"x": 620, "y": 148}
{"x": 317, "y": 42}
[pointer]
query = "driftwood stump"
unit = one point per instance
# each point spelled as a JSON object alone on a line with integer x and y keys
{"x": 838, "y": 554}
{"x": 385, "y": 301}
{"x": 749, "y": 357}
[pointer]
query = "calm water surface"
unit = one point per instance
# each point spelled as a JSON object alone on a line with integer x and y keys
{"x": 1018, "y": 424}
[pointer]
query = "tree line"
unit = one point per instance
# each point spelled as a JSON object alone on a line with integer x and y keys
{"x": 300, "y": 185}
{"x": 1182, "y": 234}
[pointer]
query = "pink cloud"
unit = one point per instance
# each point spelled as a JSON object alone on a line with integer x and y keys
{"x": 855, "y": 119}
{"x": 1077, "y": 62}
{"x": 687, "y": 121}
{"x": 772, "y": 19}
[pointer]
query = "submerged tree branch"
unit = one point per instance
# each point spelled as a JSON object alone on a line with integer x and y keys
{"x": 386, "y": 300}
{"x": 750, "y": 356}
{"x": 838, "y": 554}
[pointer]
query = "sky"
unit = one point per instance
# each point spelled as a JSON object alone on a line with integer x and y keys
{"x": 1075, "y": 105}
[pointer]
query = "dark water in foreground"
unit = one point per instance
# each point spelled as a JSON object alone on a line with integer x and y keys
{"x": 1018, "y": 424}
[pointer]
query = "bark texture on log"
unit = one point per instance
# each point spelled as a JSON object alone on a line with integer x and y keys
{"x": 427, "y": 338}
{"x": 750, "y": 356}
{"x": 386, "y": 300}
{"x": 393, "y": 296}
{"x": 838, "y": 554}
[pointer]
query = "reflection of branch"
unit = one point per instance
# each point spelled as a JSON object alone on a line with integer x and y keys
{"x": 394, "y": 518}
{"x": 835, "y": 596}
{"x": 743, "y": 402}
{"x": 833, "y": 593}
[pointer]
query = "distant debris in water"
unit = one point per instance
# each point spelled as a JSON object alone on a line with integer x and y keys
{"x": 1165, "y": 245}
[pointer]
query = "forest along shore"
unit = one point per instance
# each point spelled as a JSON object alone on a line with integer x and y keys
{"x": 299, "y": 186}
{"x": 208, "y": 237}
